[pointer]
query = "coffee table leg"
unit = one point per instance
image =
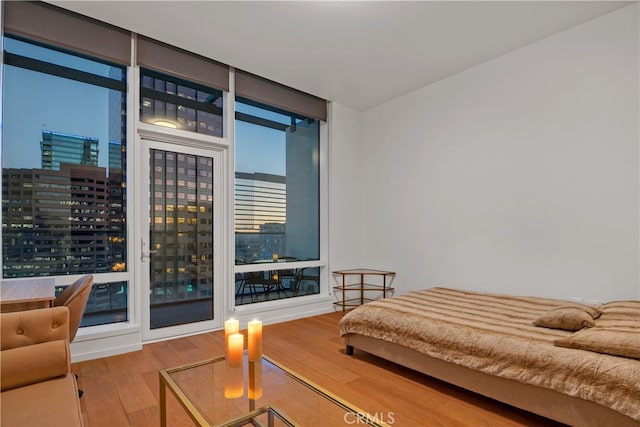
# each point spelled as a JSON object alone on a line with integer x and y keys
{"x": 163, "y": 403}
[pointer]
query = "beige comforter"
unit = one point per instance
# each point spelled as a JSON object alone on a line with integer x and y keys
{"x": 494, "y": 334}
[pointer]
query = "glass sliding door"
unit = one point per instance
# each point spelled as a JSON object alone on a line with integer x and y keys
{"x": 181, "y": 243}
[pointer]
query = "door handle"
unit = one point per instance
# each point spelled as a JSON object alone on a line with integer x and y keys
{"x": 144, "y": 256}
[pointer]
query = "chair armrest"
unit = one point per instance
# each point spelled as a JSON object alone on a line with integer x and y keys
{"x": 34, "y": 363}
{"x": 29, "y": 327}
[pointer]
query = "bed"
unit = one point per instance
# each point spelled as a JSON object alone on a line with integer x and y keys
{"x": 578, "y": 364}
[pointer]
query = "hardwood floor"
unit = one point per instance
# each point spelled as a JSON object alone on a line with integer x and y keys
{"x": 123, "y": 390}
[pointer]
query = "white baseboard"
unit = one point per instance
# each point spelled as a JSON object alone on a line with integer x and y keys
{"x": 106, "y": 344}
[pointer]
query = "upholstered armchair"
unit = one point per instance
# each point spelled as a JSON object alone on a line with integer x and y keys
{"x": 37, "y": 385}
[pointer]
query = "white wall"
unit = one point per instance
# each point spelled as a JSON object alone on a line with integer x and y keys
{"x": 345, "y": 188}
{"x": 519, "y": 175}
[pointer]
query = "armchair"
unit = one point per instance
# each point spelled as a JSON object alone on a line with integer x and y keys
{"x": 75, "y": 297}
{"x": 37, "y": 386}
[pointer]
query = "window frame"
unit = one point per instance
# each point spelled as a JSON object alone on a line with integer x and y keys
{"x": 321, "y": 263}
{"x": 77, "y": 75}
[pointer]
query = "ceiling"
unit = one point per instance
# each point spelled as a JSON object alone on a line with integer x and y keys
{"x": 357, "y": 53}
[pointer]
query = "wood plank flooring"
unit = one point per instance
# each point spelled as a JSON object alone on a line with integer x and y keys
{"x": 123, "y": 390}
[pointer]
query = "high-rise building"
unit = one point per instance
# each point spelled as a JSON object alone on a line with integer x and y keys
{"x": 260, "y": 215}
{"x": 115, "y": 156}
{"x": 57, "y": 221}
{"x": 60, "y": 148}
{"x": 66, "y": 218}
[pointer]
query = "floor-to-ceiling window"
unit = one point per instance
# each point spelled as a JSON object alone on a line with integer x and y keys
{"x": 277, "y": 202}
{"x": 64, "y": 171}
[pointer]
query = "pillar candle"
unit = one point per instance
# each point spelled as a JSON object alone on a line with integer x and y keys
{"x": 231, "y": 326}
{"x": 236, "y": 348}
{"x": 254, "y": 345}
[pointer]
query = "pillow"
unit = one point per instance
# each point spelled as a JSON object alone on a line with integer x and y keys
{"x": 568, "y": 318}
{"x": 595, "y": 312}
{"x": 618, "y": 342}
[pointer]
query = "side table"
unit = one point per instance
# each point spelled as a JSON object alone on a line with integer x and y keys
{"x": 359, "y": 281}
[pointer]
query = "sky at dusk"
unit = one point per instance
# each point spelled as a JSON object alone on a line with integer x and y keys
{"x": 36, "y": 101}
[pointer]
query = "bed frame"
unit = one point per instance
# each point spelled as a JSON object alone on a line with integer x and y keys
{"x": 545, "y": 402}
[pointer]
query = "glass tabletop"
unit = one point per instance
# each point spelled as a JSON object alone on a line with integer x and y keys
{"x": 256, "y": 393}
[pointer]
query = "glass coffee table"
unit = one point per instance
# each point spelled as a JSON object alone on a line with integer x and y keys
{"x": 262, "y": 393}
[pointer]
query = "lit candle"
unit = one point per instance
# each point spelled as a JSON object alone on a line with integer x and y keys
{"x": 255, "y": 380}
{"x": 233, "y": 382}
{"x": 254, "y": 345}
{"x": 236, "y": 348}
{"x": 231, "y": 326}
